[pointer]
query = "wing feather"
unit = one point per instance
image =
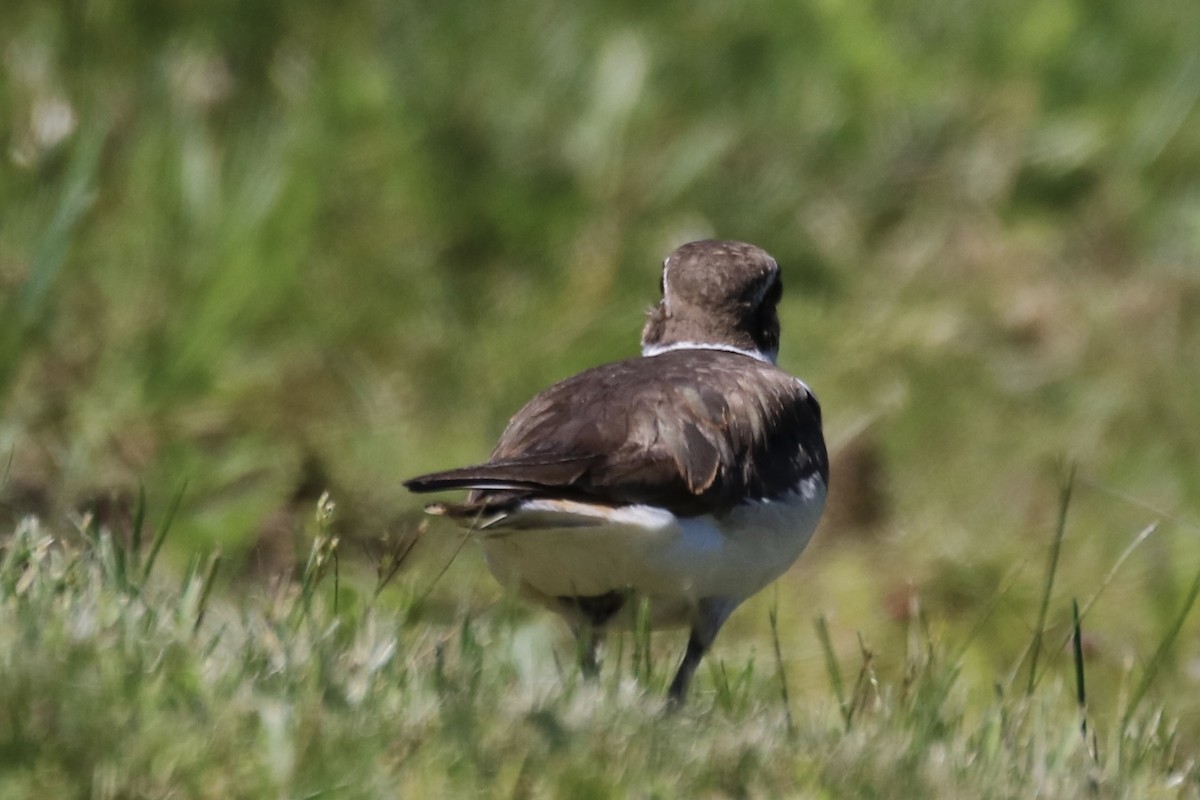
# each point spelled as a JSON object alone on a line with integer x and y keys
{"x": 672, "y": 430}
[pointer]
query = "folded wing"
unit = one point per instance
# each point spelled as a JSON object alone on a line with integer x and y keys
{"x": 693, "y": 432}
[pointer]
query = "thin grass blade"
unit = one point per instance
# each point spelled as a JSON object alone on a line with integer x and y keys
{"x": 1142, "y": 536}
{"x": 210, "y": 579}
{"x": 831, "y": 665}
{"x": 163, "y": 528}
{"x": 781, "y": 670}
{"x": 1160, "y": 655}
{"x": 22, "y": 312}
{"x": 1048, "y": 586}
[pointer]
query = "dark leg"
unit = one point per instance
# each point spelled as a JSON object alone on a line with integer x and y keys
{"x": 696, "y": 648}
{"x": 596, "y": 611}
{"x": 710, "y": 616}
{"x": 588, "y": 640}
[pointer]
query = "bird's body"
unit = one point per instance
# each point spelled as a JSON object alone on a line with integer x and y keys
{"x": 683, "y": 481}
{"x": 648, "y": 553}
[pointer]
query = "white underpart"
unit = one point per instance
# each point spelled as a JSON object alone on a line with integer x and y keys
{"x": 658, "y": 349}
{"x": 674, "y": 562}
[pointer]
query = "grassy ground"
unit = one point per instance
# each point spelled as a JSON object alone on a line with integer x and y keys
{"x": 118, "y": 684}
{"x": 264, "y": 250}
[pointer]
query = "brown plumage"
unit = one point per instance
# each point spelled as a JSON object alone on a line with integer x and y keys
{"x": 689, "y": 478}
{"x": 602, "y": 436}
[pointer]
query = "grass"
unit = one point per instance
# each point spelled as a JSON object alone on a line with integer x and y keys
{"x": 114, "y": 688}
{"x": 274, "y": 250}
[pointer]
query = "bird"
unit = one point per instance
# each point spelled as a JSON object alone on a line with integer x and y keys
{"x": 670, "y": 486}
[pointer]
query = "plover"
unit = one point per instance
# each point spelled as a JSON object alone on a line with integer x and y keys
{"x": 686, "y": 479}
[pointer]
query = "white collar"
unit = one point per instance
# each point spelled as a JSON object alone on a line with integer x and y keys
{"x": 659, "y": 349}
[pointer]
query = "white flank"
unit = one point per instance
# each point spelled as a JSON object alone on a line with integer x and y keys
{"x": 550, "y": 549}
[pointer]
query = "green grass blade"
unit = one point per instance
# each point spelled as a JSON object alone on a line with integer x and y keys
{"x": 395, "y": 555}
{"x": 419, "y": 602}
{"x": 642, "y": 654}
{"x": 337, "y": 581}
{"x": 1006, "y": 585}
{"x": 780, "y": 667}
{"x": 831, "y": 665}
{"x": 51, "y": 253}
{"x": 139, "y": 522}
{"x": 1142, "y": 536}
{"x": 210, "y": 579}
{"x": 24, "y": 311}
{"x": 1108, "y": 578}
{"x": 1048, "y": 585}
{"x": 1091, "y": 744}
{"x": 1077, "y": 651}
{"x": 163, "y": 528}
{"x": 12, "y": 453}
{"x": 1160, "y": 655}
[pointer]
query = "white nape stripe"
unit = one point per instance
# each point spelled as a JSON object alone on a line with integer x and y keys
{"x": 666, "y": 283}
{"x": 762, "y": 290}
{"x": 658, "y": 349}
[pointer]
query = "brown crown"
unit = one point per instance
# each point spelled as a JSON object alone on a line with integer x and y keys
{"x": 717, "y": 293}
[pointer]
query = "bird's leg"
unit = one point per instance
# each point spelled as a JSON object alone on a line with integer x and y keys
{"x": 710, "y": 616}
{"x": 592, "y": 613}
{"x": 697, "y": 646}
{"x": 587, "y": 642}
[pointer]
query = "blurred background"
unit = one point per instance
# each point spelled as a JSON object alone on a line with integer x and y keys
{"x": 274, "y": 248}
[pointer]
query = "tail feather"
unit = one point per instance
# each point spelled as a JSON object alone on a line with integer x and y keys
{"x": 500, "y": 517}
{"x": 476, "y": 516}
{"x": 525, "y": 474}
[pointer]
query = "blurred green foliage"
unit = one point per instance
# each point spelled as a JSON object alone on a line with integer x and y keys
{"x": 268, "y": 246}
